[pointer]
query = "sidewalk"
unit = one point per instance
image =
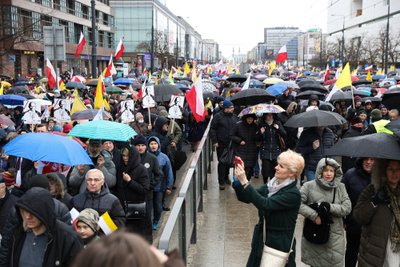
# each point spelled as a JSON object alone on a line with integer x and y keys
{"x": 226, "y": 228}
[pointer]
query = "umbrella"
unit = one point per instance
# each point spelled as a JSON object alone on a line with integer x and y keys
{"x": 341, "y": 96}
{"x": 291, "y": 84}
{"x": 209, "y": 86}
{"x": 6, "y": 120}
{"x": 361, "y": 81}
{"x": 78, "y": 78}
{"x": 254, "y": 83}
{"x": 19, "y": 83}
{"x": 114, "y": 90}
{"x": 76, "y": 139}
{"x": 391, "y": 98}
{"x": 78, "y": 85}
{"x": 12, "y": 100}
{"x": 306, "y": 81}
{"x": 124, "y": 81}
{"x": 361, "y": 93}
{"x": 377, "y": 145}
{"x": 163, "y": 92}
{"x": 277, "y": 89}
{"x": 261, "y": 108}
{"x": 394, "y": 126}
{"x": 251, "y": 97}
{"x": 185, "y": 82}
{"x": 19, "y": 90}
{"x": 103, "y": 130}
{"x": 315, "y": 118}
{"x": 47, "y": 147}
{"x": 209, "y": 95}
{"x": 306, "y": 95}
{"x": 313, "y": 86}
{"x": 372, "y": 98}
{"x": 272, "y": 80}
{"x": 377, "y": 77}
{"x": 261, "y": 77}
{"x": 40, "y": 102}
{"x": 184, "y": 87}
{"x": 89, "y": 114}
{"x": 93, "y": 83}
{"x": 238, "y": 78}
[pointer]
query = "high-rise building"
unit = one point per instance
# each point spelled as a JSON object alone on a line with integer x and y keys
{"x": 276, "y": 37}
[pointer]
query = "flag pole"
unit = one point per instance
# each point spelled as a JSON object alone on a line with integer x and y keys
{"x": 172, "y": 126}
{"x": 148, "y": 111}
{"x": 352, "y": 97}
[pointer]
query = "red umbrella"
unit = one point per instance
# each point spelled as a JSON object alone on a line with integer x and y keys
{"x": 354, "y": 78}
{"x": 6, "y": 120}
{"x": 73, "y": 137}
{"x": 332, "y": 81}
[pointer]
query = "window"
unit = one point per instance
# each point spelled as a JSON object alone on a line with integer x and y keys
{"x": 71, "y": 6}
{"x": 26, "y": 23}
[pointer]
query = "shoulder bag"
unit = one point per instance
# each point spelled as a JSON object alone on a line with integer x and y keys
{"x": 228, "y": 155}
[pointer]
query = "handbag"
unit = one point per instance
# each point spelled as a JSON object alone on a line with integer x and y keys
{"x": 135, "y": 210}
{"x": 314, "y": 233}
{"x": 282, "y": 144}
{"x": 272, "y": 257}
{"x": 228, "y": 155}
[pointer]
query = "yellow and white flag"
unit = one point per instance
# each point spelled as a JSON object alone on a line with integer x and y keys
{"x": 107, "y": 224}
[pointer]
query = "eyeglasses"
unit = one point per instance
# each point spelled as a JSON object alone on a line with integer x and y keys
{"x": 96, "y": 180}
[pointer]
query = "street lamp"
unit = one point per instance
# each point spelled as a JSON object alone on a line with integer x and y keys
{"x": 342, "y": 52}
{"x": 387, "y": 39}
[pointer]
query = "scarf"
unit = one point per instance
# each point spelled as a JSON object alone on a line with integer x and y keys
{"x": 274, "y": 187}
{"x": 394, "y": 195}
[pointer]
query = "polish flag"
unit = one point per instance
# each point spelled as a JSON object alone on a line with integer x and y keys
{"x": 140, "y": 93}
{"x": 80, "y": 46}
{"x": 51, "y": 74}
{"x": 327, "y": 73}
{"x": 119, "y": 50}
{"x": 282, "y": 55}
{"x": 194, "y": 98}
{"x": 369, "y": 68}
{"x": 110, "y": 70}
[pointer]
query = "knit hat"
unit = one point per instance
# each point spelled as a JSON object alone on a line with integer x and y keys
{"x": 8, "y": 178}
{"x": 139, "y": 140}
{"x": 368, "y": 101}
{"x": 163, "y": 113}
{"x": 38, "y": 180}
{"x": 90, "y": 217}
{"x": 87, "y": 102}
{"x": 357, "y": 99}
{"x": 376, "y": 115}
{"x": 227, "y": 104}
{"x": 67, "y": 128}
{"x": 94, "y": 142}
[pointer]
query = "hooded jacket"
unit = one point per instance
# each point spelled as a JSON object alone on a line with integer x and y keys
{"x": 317, "y": 191}
{"x": 101, "y": 202}
{"x": 154, "y": 171}
{"x": 162, "y": 135}
{"x": 138, "y": 187}
{"x": 167, "y": 180}
{"x": 63, "y": 244}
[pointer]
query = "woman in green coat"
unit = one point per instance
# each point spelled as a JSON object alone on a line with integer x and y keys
{"x": 325, "y": 189}
{"x": 278, "y": 204}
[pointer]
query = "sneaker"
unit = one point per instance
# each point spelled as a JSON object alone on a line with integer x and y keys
{"x": 222, "y": 187}
{"x": 156, "y": 226}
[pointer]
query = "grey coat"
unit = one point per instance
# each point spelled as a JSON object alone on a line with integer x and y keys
{"x": 318, "y": 190}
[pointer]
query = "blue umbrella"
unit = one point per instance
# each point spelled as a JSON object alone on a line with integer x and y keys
{"x": 103, "y": 130}
{"x": 277, "y": 89}
{"x": 47, "y": 147}
{"x": 19, "y": 83}
{"x": 77, "y": 85}
{"x": 378, "y": 77}
{"x": 123, "y": 81}
{"x": 13, "y": 100}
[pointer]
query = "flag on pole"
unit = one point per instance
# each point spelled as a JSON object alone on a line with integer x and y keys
{"x": 140, "y": 93}
{"x": 369, "y": 68}
{"x": 282, "y": 55}
{"x": 327, "y": 73}
{"x": 77, "y": 105}
{"x": 81, "y": 45}
{"x": 120, "y": 50}
{"x": 110, "y": 70}
{"x": 51, "y": 74}
{"x": 194, "y": 98}
{"x": 98, "y": 100}
{"x": 186, "y": 70}
{"x": 369, "y": 76}
{"x": 107, "y": 224}
{"x": 343, "y": 81}
{"x": 246, "y": 85}
{"x": 99, "y": 115}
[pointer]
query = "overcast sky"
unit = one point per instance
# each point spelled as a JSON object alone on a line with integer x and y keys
{"x": 234, "y": 25}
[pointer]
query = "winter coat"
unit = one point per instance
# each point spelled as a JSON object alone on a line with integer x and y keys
{"x": 221, "y": 127}
{"x": 154, "y": 171}
{"x": 248, "y": 152}
{"x": 101, "y": 202}
{"x": 63, "y": 243}
{"x": 317, "y": 191}
{"x": 348, "y": 162}
{"x": 6, "y": 207}
{"x": 139, "y": 186}
{"x": 270, "y": 146}
{"x": 305, "y": 146}
{"x": 167, "y": 180}
{"x": 280, "y": 211}
{"x": 165, "y": 139}
{"x": 355, "y": 180}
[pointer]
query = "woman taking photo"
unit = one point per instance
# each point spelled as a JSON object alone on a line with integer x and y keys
{"x": 330, "y": 195}
{"x": 278, "y": 203}
{"x": 378, "y": 212}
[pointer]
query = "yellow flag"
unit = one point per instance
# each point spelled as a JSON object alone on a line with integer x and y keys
{"x": 237, "y": 71}
{"x": 162, "y": 74}
{"x": 344, "y": 78}
{"x": 156, "y": 82}
{"x": 186, "y": 70}
{"x": 2, "y": 89}
{"x": 392, "y": 68}
{"x": 150, "y": 77}
{"x": 379, "y": 72}
{"x": 369, "y": 76}
{"x": 194, "y": 76}
{"x": 106, "y": 105}
{"x": 170, "y": 74}
{"x": 62, "y": 85}
{"x": 230, "y": 69}
{"x": 78, "y": 105}
{"x": 354, "y": 73}
{"x": 98, "y": 100}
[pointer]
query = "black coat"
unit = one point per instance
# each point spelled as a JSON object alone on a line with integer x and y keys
{"x": 6, "y": 207}
{"x": 248, "y": 152}
{"x": 348, "y": 162}
{"x": 63, "y": 243}
{"x": 355, "y": 181}
{"x": 221, "y": 127}
{"x": 150, "y": 162}
{"x": 270, "y": 140}
{"x": 162, "y": 135}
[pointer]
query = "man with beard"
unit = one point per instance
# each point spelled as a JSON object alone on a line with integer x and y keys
{"x": 102, "y": 160}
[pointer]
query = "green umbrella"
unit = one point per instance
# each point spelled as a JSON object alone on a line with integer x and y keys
{"x": 114, "y": 90}
{"x": 103, "y": 130}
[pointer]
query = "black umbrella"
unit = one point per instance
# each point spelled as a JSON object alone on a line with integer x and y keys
{"x": 251, "y": 97}
{"x": 306, "y": 95}
{"x": 209, "y": 95}
{"x": 372, "y": 98}
{"x": 78, "y": 85}
{"x": 306, "y": 81}
{"x": 163, "y": 92}
{"x": 360, "y": 93}
{"x": 377, "y": 145}
{"x": 341, "y": 96}
{"x": 315, "y": 118}
{"x": 361, "y": 81}
{"x": 238, "y": 78}
{"x": 314, "y": 87}
{"x": 89, "y": 114}
{"x": 93, "y": 83}
{"x": 18, "y": 90}
{"x": 394, "y": 126}
{"x": 391, "y": 98}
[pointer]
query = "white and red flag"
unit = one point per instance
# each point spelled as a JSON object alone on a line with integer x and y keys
{"x": 51, "y": 74}
{"x": 120, "y": 50}
{"x": 194, "y": 98}
{"x": 110, "y": 70}
{"x": 282, "y": 55}
{"x": 81, "y": 45}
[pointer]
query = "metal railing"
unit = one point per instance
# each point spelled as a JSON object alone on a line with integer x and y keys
{"x": 181, "y": 228}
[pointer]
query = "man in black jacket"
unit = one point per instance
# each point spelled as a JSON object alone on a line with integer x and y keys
{"x": 40, "y": 239}
{"x": 220, "y": 134}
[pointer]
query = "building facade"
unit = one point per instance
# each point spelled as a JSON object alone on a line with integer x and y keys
{"x": 210, "y": 51}
{"x": 275, "y": 38}
{"x": 21, "y": 34}
{"x": 311, "y": 45}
